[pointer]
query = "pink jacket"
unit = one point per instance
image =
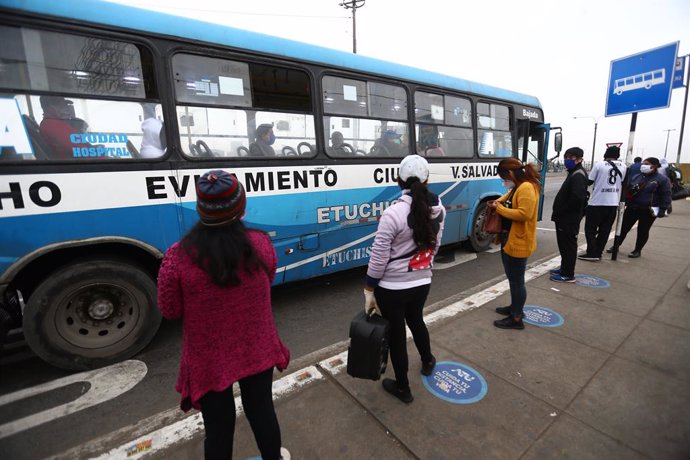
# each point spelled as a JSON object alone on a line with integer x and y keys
{"x": 228, "y": 333}
{"x": 394, "y": 239}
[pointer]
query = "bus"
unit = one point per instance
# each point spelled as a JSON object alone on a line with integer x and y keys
{"x": 111, "y": 113}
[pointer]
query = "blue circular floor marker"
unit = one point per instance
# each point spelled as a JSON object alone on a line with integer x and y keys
{"x": 456, "y": 383}
{"x": 542, "y": 316}
{"x": 591, "y": 281}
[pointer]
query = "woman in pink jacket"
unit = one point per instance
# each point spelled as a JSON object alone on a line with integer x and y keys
{"x": 399, "y": 272}
{"x": 218, "y": 280}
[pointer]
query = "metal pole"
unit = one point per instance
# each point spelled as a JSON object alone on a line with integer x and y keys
{"x": 668, "y": 133}
{"x": 594, "y": 144}
{"x": 354, "y": 31}
{"x": 621, "y": 200}
{"x": 685, "y": 109}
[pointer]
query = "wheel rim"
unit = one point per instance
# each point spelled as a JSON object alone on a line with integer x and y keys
{"x": 482, "y": 238}
{"x": 97, "y": 315}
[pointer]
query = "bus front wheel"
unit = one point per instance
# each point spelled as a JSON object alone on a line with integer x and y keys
{"x": 91, "y": 314}
{"x": 480, "y": 241}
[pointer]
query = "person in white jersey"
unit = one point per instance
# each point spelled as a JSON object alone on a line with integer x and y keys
{"x": 606, "y": 178}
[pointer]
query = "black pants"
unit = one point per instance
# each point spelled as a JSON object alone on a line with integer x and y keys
{"x": 644, "y": 220}
{"x": 515, "y": 272}
{"x": 218, "y": 412}
{"x": 598, "y": 225}
{"x": 566, "y": 236}
{"x": 399, "y": 306}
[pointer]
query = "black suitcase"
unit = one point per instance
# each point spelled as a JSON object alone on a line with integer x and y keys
{"x": 367, "y": 355}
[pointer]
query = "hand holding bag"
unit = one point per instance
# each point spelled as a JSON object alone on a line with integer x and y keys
{"x": 493, "y": 222}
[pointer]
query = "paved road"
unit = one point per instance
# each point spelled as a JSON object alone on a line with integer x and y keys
{"x": 310, "y": 315}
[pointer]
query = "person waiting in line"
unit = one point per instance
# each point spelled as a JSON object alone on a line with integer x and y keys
{"x": 399, "y": 272}
{"x": 58, "y": 124}
{"x": 262, "y": 146}
{"x": 338, "y": 146}
{"x": 606, "y": 178}
{"x": 633, "y": 170}
{"x": 218, "y": 280}
{"x": 519, "y": 208}
{"x": 568, "y": 209}
{"x": 153, "y": 140}
{"x": 648, "y": 197}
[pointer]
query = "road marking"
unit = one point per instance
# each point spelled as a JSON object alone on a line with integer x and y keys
{"x": 460, "y": 257}
{"x": 105, "y": 384}
{"x": 185, "y": 429}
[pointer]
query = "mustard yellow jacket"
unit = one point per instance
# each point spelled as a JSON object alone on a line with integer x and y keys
{"x": 522, "y": 239}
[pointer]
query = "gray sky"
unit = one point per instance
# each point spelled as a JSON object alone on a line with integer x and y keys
{"x": 557, "y": 51}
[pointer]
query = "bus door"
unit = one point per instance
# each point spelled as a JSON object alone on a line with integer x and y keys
{"x": 533, "y": 137}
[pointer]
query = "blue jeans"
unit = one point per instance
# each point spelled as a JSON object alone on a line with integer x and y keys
{"x": 515, "y": 272}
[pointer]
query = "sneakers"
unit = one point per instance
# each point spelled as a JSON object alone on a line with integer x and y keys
{"x": 503, "y": 310}
{"x": 285, "y": 454}
{"x": 634, "y": 254}
{"x": 392, "y": 387}
{"x": 509, "y": 323}
{"x": 589, "y": 258}
{"x": 562, "y": 279}
{"x": 555, "y": 271}
{"x": 428, "y": 368}
{"x": 609, "y": 250}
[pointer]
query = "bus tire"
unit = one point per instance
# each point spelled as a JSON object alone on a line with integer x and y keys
{"x": 479, "y": 241}
{"x": 92, "y": 314}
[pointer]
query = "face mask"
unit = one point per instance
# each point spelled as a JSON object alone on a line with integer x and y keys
{"x": 271, "y": 139}
{"x": 508, "y": 184}
{"x": 569, "y": 164}
{"x": 646, "y": 169}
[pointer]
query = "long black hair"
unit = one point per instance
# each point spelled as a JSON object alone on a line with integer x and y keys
{"x": 221, "y": 250}
{"x": 424, "y": 228}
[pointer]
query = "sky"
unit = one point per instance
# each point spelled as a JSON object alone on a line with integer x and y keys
{"x": 558, "y": 51}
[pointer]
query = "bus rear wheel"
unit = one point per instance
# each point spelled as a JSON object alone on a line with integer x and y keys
{"x": 480, "y": 241}
{"x": 91, "y": 314}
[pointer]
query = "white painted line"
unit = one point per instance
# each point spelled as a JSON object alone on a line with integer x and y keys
{"x": 335, "y": 364}
{"x": 105, "y": 384}
{"x": 186, "y": 428}
{"x": 183, "y": 430}
{"x": 461, "y": 257}
{"x": 494, "y": 248}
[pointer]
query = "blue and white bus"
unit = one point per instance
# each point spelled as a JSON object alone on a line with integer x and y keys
{"x": 110, "y": 113}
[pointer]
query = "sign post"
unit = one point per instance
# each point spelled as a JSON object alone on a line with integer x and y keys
{"x": 637, "y": 83}
{"x": 685, "y": 104}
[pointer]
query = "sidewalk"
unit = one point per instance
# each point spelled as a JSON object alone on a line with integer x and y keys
{"x": 610, "y": 383}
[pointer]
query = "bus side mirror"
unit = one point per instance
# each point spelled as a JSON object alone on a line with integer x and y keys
{"x": 558, "y": 142}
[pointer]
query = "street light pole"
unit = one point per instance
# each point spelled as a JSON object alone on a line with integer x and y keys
{"x": 353, "y": 5}
{"x": 594, "y": 142}
{"x": 668, "y": 132}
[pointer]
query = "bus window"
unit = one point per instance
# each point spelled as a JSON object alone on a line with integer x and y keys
{"x": 237, "y": 109}
{"x": 493, "y": 128}
{"x": 434, "y": 115}
{"x": 364, "y": 119}
{"x": 70, "y": 119}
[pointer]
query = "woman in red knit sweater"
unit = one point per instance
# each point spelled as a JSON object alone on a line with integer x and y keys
{"x": 218, "y": 280}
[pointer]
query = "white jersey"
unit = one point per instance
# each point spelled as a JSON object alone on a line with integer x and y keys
{"x": 607, "y": 183}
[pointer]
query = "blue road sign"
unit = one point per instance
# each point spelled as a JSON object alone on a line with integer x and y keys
{"x": 641, "y": 81}
{"x": 542, "y": 316}
{"x": 679, "y": 72}
{"x": 456, "y": 383}
{"x": 591, "y": 281}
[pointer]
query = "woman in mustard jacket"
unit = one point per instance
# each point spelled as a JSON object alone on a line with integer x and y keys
{"x": 518, "y": 208}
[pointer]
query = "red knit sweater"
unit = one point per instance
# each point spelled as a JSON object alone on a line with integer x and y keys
{"x": 228, "y": 333}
